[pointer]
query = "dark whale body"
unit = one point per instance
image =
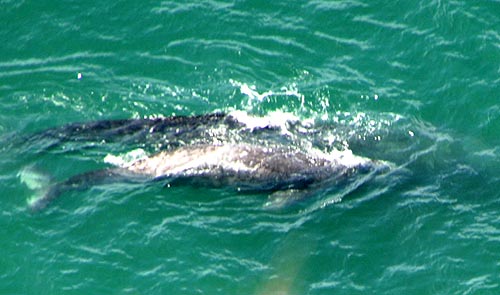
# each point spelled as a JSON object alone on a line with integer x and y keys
{"x": 280, "y": 169}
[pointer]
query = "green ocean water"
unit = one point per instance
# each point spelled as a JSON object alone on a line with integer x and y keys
{"x": 412, "y": 83}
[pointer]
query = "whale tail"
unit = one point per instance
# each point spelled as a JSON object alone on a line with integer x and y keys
{"x": 42, "y": 185}
{"x": 47, "y": 190}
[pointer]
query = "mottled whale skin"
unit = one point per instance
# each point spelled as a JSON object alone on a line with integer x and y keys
{"x": 243, "y": 166}
{"x": 247, "y": 167}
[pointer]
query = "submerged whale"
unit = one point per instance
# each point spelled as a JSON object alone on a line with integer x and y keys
{"x": 282, "y": 170}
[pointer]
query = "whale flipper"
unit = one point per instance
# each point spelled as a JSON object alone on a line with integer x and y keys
{"x": 280, "y": 199}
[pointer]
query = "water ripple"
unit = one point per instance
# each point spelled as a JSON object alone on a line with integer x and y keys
{"x": 383, "y": 24}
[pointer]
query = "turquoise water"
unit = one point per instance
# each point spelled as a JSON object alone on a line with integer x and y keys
{"x": 414, "y": 84}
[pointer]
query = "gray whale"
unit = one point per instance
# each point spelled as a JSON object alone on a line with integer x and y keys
{"x": 284, "y": 171}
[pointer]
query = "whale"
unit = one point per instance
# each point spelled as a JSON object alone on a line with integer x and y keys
{"x": 283, "y": 171}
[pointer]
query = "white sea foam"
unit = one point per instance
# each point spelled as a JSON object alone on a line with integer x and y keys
{"x": 277, "y": 119}
{"x": 125, "y": 160}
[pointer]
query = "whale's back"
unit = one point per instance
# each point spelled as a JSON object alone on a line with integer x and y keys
{"x": 244, "y": 166}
